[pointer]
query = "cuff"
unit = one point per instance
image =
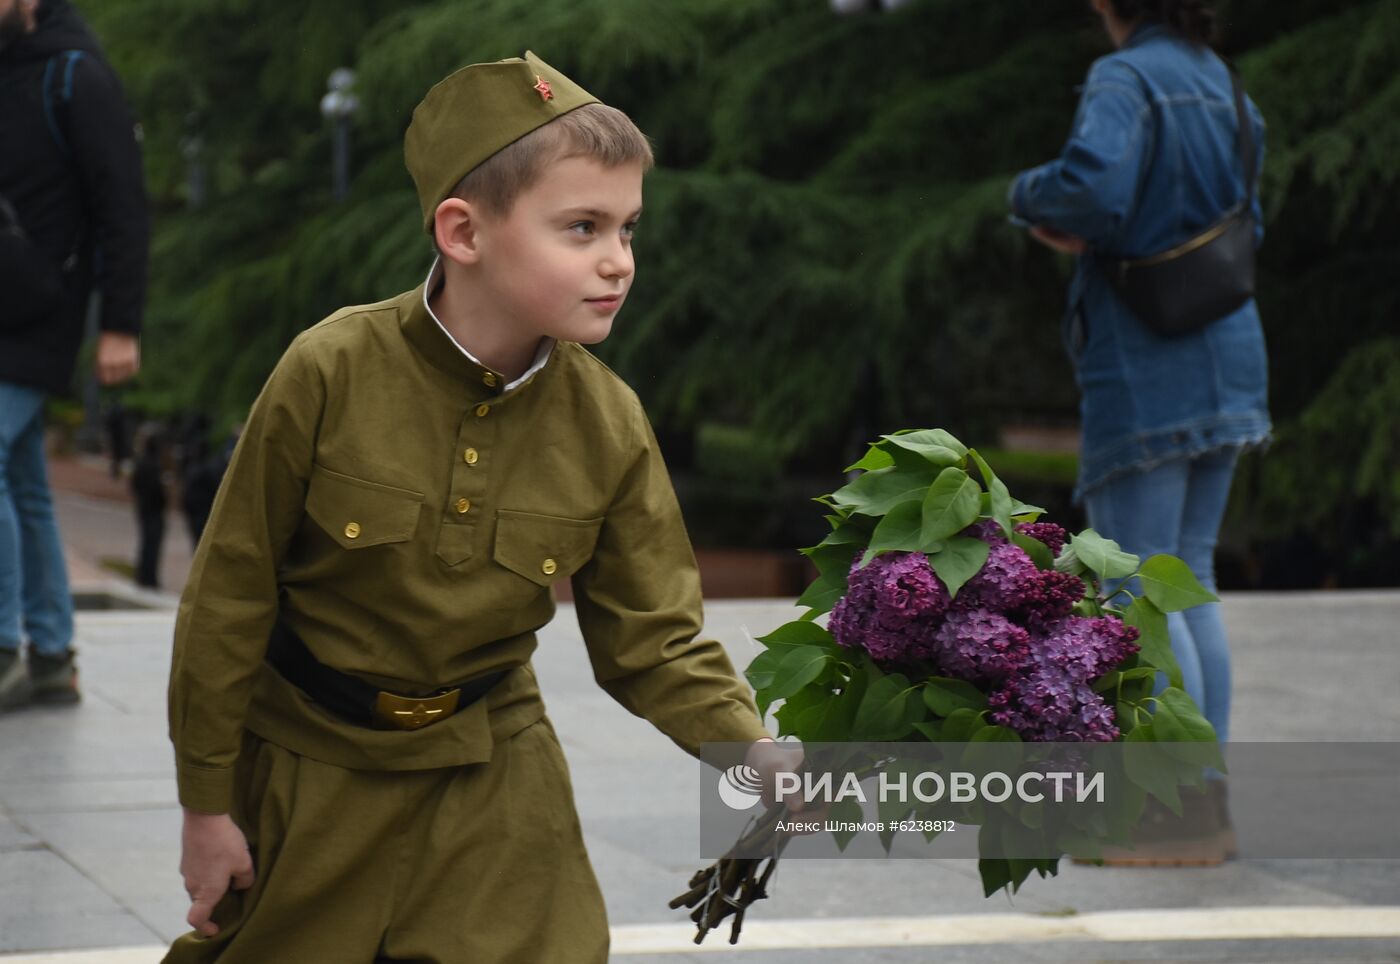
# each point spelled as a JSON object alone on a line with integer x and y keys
{"x": 205, "y": 789}
{"x": 1014, "y": 196}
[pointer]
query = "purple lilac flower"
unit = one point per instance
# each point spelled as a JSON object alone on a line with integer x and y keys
{"x": 1051, "y": 699}
{"x": 1054, "y": 536}
{"x": 980, "y": 646}
{"x": 1049, "y": 596}
{"x": 1004, "y": 578}
{"x": 891, "y": 608}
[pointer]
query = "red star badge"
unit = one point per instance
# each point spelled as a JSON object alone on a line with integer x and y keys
{"x": 543, "y": 88}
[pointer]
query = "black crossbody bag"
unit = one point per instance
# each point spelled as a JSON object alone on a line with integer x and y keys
{"x": 1205, "y": 278}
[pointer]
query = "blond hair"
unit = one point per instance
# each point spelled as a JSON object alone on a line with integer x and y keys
{"x": 598, "y": 131}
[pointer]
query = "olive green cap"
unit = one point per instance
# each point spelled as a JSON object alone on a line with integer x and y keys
{"x": 477, "y": 111}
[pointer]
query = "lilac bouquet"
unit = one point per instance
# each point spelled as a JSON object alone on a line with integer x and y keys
{"x": 948, "y": 611}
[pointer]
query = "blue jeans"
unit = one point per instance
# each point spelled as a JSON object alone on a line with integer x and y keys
{"x": 34, "y": 597}
{"x": 1176, "y": 507}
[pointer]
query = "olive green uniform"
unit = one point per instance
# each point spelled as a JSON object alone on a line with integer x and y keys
{"x": 407, "y": 515}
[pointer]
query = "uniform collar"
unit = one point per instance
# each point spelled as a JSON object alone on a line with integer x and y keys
{"x": 430, "y": 336}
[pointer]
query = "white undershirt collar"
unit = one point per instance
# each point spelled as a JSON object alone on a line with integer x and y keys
{"x": 541, "y": 356}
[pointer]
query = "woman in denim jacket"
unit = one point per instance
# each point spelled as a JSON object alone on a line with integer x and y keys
{"x": 1152, "y": 161}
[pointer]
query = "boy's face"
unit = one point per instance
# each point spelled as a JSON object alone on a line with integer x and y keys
{"x": 559, "y": 265}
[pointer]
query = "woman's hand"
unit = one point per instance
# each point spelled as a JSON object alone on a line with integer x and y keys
{"x": 1059, "y": 240}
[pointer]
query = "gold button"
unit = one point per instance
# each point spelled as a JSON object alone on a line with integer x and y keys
{"x": 490, "y": 379}
{"x": 463, "y": 505}
{"x": 352, "y": 530}
{"x": 471, "y": 456}
{"x": 481, "y": 410}
{"x": 549, "y": 567}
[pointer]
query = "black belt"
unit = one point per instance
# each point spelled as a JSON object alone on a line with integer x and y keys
{"x": 359, "y": 702}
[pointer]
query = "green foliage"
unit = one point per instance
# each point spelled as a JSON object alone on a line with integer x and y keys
{"x": 825, "y": 243}
{"x": 914, "y": 493}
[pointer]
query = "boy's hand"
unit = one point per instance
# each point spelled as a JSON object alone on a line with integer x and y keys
{"x": 770, "y": 758}
{"x": 214, "y": 853}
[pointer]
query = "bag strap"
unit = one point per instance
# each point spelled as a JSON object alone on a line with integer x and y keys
{"x": 54, "y": 102}
{"x": 1249, "y": 155}
{"x": 56, "y": 111}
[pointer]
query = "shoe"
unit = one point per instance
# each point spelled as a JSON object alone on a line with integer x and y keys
{"x": 1162, "y": 839}
{"x": 1219, "y": 794}
{"x": 14, "y": 681}
{"x": 54, "y": 679}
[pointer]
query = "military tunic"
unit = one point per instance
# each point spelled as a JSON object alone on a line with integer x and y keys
{"x": 407, "y": 515}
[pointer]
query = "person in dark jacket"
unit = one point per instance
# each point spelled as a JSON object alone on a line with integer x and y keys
{"x": 75, "y": 205}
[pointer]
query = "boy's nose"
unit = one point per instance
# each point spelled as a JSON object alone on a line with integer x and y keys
{"x": 617, "y": 264}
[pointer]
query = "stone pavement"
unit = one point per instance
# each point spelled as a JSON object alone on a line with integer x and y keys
{"x": 89, "y": 827}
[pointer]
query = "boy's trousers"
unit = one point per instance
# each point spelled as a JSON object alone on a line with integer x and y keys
{"x": 480, "y": 864}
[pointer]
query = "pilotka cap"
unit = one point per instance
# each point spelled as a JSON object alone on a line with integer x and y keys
{"x": 477, "y": 111}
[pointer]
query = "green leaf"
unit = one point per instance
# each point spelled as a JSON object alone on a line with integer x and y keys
{"x": 877, "y": 492}
{"x": 1068, "y": 561}
{"x": 764, "y": 668}
{"x": 943, "y": 695}
{"x": 996, "y": 734}
{"x": 961, "y": 558}
{"x": 995, "y": 874}
{"x": 1150, "y": 768}
{"x": 1110, "y": 681}
{"x": 1183, "y": 731}
{"x": 1103, "y": 556}
{"x": 824, "y": 592}
{"x": 929, "y": 730}
{"x": 800, "y": 633}
{"x": 796, "y": 705}
{"x": 844, "y": 533}
{"x": 845, "y": 811}
{"x": 950, "y": 506}
{"x": 1154, "y": 641}
{"x": 899, "y": 530}
{"x": 1022, "y": 512}
{"x": 799, "y": 666}
{"x": 1001, "y": 502}
{"x": 960, "y": 725}
{"x": 1038, "y": 551}
{"x": 1171, "y": 586}
{"x": 934, "y": 444}
{"x": 875, "y": 458}
{"x": 888, "y": 711}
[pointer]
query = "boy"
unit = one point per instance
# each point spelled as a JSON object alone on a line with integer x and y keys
{"x": 362, "y": 750}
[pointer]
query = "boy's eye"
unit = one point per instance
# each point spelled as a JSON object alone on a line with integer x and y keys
{"x": 582, "y": 227}
{"x": 630, "y": 228}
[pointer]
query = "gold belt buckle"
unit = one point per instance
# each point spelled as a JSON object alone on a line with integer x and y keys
{"x": 409, "y": 713}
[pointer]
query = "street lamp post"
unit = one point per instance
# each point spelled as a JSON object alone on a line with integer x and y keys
{"x": 338, "y": 106}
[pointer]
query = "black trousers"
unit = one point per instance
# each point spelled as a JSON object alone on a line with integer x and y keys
{"x": 148, "y": 552}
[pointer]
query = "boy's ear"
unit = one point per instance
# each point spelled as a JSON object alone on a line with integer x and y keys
{"x": 455, "y": 229}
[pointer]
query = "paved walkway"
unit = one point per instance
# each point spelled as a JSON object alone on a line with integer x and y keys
{"x": 89, "y": 827}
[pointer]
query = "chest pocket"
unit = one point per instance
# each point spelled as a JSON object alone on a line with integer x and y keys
{"x": 544, "y": 548}
{"x": 357, "y": 513}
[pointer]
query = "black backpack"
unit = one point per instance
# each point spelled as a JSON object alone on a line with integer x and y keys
{"x": 31, "y": 284}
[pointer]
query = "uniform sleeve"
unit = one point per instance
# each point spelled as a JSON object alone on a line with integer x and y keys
{"x": 230, "y": 602}
{"x": 107, "y": 155}
{"x": 639, "y": 607}
{"x": 1091, "y": 188}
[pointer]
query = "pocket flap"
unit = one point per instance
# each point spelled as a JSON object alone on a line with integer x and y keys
{"x": 544, "y": 548}
{"x": 358, "y": 513}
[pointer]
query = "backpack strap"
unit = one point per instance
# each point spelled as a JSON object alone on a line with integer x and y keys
{"x": 58, "y": 94}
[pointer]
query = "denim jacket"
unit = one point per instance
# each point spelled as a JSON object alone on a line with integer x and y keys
{"x": 1152, "y": 161}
